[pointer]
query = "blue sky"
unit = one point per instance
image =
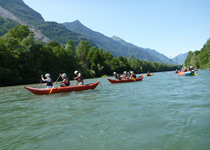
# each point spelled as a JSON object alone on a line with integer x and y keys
{"x": 169, "y": 26}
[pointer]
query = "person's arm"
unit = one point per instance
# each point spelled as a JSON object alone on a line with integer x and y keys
{"x": 75, "y": 78}
{"x": 79, "y": 75}
{"x": 42, "y": 78}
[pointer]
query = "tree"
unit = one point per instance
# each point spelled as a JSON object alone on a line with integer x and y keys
{"x": 82, "y": 52}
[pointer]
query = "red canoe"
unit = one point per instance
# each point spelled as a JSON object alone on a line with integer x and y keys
{"x": 126, "y": 80}
{"x": 42, "y": 91}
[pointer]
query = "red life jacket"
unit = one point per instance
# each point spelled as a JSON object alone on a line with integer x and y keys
{"x": 133, "y": 76}
{"x": 80, "y": 79}
{"x": 68, "y": 83}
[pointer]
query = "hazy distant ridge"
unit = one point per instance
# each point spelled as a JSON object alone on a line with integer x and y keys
{"x": 180, "y": 59}
{"x": 116, "y": 45}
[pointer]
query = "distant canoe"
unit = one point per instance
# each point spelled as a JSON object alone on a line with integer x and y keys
{"x": 126, "y": 80}
{"x": 44, "y": 91}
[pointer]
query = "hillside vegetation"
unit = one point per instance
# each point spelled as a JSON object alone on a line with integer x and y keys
{"x": 6, "y": 25}
{"x": 46, "y": 31}
{"x": 199, "y": 59}
{"x": 54, "y": 31}
{"x": 23, "y": 59}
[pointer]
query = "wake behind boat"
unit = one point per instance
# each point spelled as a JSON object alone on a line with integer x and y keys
{"x": 126, "y": 80}
{"x": 44, "y": 91}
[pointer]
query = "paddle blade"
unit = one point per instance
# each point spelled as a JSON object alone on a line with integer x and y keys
{"x": 133, "y": 79}
{"x": 195, "y": 74}
{"x": 51, "y": 89}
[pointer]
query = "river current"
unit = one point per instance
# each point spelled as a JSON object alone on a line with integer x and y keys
{"x": 161, "y": 112}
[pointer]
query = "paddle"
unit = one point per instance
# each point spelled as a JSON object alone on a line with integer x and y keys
{"x": 133, "y": 79}
{"x": 54, "y": 84}
{"x": 195, "y": 74}
{"x": 100, "y": 84}
{"x": 41, "y": 82}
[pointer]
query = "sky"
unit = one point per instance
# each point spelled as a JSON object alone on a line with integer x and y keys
{"x": 170, "y": 27}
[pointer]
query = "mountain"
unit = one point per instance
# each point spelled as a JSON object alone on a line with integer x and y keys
{"x": 180, "y": 59}
{"x": 17, "y": 11}
{"x": 14, "y": 12}
{"x": 158, "y": 57}
{"x": 116, "y": 45}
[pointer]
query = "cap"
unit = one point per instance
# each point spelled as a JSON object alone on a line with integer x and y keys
{"x": 47, "y": 75}
{"x": 76, "y": 72}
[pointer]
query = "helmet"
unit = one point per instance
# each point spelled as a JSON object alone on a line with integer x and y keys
{"x": 76, "y": 72}
{"x": 114, "y": 73}
{"x": 47, "y": 75}
{"x": 64, "y": 75}
{"x": 125, "y": 72}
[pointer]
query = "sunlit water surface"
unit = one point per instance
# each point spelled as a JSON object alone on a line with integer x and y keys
{"x": 161, "y": 112}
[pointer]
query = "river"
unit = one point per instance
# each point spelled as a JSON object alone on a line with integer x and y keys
{"x": 161, "y": 112}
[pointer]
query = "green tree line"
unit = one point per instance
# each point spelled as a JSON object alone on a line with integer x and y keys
{"x": 23, "y": 59}
{"x": 199, "y": 59}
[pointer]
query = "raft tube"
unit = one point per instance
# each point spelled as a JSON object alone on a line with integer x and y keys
{"x": 126, "y": 80}
{"x": 188, "y": 73}
{"x": 44, "y": 91}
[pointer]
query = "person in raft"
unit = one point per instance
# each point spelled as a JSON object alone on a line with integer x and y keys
{"x": 148, "y": 73}
{"x": 48, "y": 80}
{"x": 65, "y": 82}
{"x": 79, "y": 78}
{"x": 133, "y": 75}
{"x": 185, "y": 69}
{"x": 192, "y": 69}
{"x": 117, "y": 76}
{"x": 124, "y": 76}
{"x": 128, "y": 75}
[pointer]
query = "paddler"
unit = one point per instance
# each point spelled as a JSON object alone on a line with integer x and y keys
{"x": 133, "y": 75}
{"x": 124, "y": 76}
{"x": 192, "y": 69}
{"x": 48, "y": 80}
{"x": 65, "y": 82}
{"x": 79, "y": 78}
{"x": 148, "y": 73}
{"x": 117, "y": 76}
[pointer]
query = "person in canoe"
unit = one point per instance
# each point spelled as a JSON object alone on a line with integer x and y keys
{"x": 128, "y": 75}
{"x": 124, "y": 76}
{"x": 149, "y": 74}
{"x": 133, "y": 75}
{"x": 48, "y": 80}
{"x": 185, "y": 69}
{"x": 117, "y": 76}
{"x": 192, "y": 69}
{"x": 79, "y": 78}
{"x": 177, "y": 71}
{"x": 65, "y": 82}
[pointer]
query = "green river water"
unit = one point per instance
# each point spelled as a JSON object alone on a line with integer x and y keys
{"x": 161, "y": 112}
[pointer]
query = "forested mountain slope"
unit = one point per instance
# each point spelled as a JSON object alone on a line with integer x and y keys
{"x": 117, "y": 46}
